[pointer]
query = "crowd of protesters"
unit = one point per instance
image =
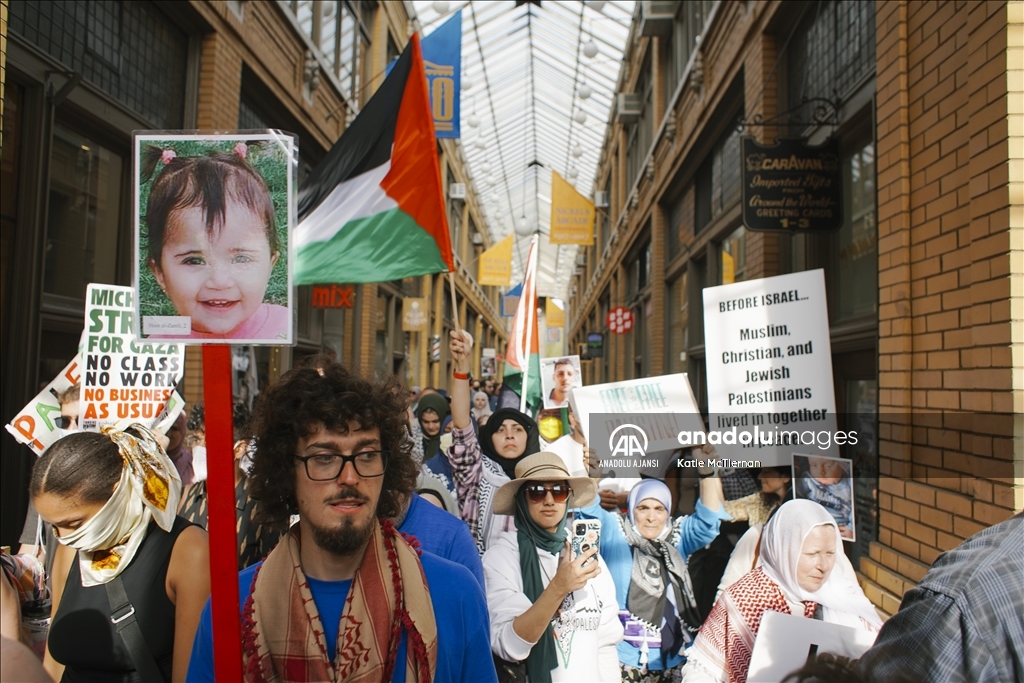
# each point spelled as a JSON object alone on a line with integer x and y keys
{"x": 394, "y": 534}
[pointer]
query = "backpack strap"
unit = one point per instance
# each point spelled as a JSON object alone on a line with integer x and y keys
{"x": 122, "y": 616}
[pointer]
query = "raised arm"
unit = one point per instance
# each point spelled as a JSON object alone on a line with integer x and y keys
{"x": 459, "y": 347}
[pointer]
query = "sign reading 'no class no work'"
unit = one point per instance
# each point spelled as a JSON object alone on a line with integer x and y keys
{"x": 792, "y": 186}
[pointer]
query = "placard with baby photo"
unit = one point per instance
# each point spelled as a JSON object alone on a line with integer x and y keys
{"x": 828, "y": 482}
{"x": 557, "y": 376}
{"x": 213, "y": 215}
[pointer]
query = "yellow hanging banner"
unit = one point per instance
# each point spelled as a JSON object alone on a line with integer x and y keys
{"x": 572, "y": 214}
{"x": 554, "y": 314}
{"x": 495, "y": 267}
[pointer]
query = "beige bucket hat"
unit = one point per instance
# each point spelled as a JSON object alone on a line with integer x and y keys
{"x": 543, "y": 466}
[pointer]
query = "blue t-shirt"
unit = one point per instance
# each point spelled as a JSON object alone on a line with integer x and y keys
{"x": 442, "y": 534}
{"x": 329, "y": 597}
{"x": 463, "y": 626}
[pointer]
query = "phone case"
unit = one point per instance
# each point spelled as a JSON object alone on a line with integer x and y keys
{"x": 586, "y": 534}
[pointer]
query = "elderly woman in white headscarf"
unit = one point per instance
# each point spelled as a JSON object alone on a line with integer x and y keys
{"x": 799, "y": 576}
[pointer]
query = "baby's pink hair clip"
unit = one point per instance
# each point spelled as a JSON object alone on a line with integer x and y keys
{"x": 167, "y": 156}
{"x": 241, "y": 149}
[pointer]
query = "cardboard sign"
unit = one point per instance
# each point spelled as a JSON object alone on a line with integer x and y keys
{"x": 37, "y": 426}
{"x": 784, "y": 643}
{"x": 769, "y": 365}
{"x": 123, "y": 380}
{"x": 223, "y": 272}
{"x": 641, "y": 399}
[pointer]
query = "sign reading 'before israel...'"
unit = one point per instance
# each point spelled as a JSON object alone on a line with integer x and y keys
{"x": 769, "y": 365}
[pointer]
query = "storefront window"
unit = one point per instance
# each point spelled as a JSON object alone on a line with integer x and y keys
{"x": 84, "y": 212}
{"x": 334, "y": 333}
{"x": 733, "y": 264}
{"x": 718, "y": 181}
{"x": 856, "y": 243}
{"x": 678, "y": 321}
{"x": 862, "y": 416}
{"x": 680, "y": 222}
{"x": 382, "y": 346}
{"x": 130, "y": 50}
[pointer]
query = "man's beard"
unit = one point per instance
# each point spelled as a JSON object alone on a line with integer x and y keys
{"x": 345, "y": 539}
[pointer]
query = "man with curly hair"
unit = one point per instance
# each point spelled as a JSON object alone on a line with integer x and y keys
{"x": 344, "y": 596}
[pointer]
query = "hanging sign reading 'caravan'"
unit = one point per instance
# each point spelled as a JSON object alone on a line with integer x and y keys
{"x": 791, "y": 186}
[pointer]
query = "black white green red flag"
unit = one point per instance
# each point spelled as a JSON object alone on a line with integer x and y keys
{"x": 521, "y": 379}
{"x": 373, "y": 209}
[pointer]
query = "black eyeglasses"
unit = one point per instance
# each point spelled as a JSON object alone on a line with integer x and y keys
{"x": 64, "y": 421}
{"x": 536, "y": 493}
{"x": 327, "y": 466}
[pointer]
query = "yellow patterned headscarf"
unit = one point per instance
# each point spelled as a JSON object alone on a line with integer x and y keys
{"x": 149, "y": 489}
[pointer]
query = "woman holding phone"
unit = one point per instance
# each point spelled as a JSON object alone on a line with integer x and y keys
{"x": 549, "y": 610}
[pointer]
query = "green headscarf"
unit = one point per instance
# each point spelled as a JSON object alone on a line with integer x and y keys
{"x": 543, "y": 657}
{"x": 439, "y": 404}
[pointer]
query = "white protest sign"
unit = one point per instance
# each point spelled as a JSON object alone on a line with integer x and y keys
{"x": 784, "y": 643}
{"x": 659, "y": 407}
{"x": 36, "y": 425}
{"x": 124, "y": 381}
{"x": 769, "y": 366}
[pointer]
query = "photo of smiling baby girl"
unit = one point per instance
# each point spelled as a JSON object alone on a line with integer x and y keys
{"x": 213, "y": 218}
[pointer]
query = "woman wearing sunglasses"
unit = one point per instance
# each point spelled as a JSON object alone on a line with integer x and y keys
{"x": 553, "y": 611}
{"x": 646, "y": 553}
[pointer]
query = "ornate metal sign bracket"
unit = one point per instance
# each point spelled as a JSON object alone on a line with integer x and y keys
{"x": 824, "y": 113}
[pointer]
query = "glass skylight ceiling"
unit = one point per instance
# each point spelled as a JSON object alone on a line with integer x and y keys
{"x": 524, "y": 69}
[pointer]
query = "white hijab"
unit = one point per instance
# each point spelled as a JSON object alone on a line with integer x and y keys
{"x": 840, "y": 596}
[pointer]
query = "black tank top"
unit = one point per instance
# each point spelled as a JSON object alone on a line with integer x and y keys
{"x": 83, "y": 639}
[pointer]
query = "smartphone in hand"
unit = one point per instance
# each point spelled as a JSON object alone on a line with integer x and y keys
{"x": 586, "y": 534}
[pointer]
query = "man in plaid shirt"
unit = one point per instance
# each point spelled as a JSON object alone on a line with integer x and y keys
{"x": 963, "y": 621}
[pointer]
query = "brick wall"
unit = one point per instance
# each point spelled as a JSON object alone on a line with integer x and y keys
{"x": 944, "y": 307}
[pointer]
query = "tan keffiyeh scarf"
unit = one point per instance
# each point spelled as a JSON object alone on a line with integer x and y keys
{"x": 283, "y": 637}
{"x": 149, "y": 489}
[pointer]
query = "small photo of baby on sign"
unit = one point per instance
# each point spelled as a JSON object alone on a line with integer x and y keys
{"x": 212, "y": 220}
{"x": 828, "y": 482}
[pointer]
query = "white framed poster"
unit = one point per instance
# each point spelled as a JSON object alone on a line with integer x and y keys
{"x": 828, "y": 482}
{"x": 213, "y": 215}
{"x": 559, "y": 376}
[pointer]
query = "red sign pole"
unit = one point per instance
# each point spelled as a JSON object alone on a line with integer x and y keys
{"x": 227, "y": 634}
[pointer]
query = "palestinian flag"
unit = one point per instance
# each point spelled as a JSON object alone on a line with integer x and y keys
{"x": 373, "y": 210}
{"x": 522, "y": 358}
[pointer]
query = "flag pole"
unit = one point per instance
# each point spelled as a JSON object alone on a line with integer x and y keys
{"x": 455, "y": 302}
{"x": 531, "y": 311}
{"x": 227, "y": 648}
